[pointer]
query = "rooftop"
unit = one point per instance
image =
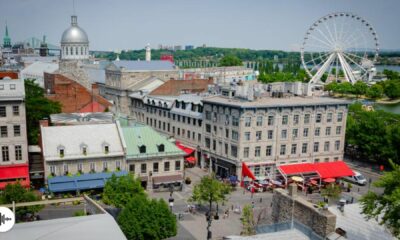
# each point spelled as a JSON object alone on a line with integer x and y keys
{"x": 154, "y": 65}
{"x": 12, "y": 89}
{"x": 141, "y": 135}
{"x": 274, "y": 102}
{"x": 177, "y": 87}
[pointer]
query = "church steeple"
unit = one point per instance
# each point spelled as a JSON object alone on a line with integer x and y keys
{"x": 6, "y": 39}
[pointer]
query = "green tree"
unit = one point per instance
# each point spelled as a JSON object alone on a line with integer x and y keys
{"x": 18, "y": 194}
{"x": 144, "y": 219}
{"x": 119, "y": 191}
{"x": 331, "y": 191}
{"x": 360, "y": 88}
{"x": 248, "y": 223}
{"x": 392, "y": 89}
{"x": 331, "y": 87}
{"x": 210, "y": 191}
{"x": 375, "y": 91}
{"x": 230, "y": 60}
{"x": 385, "y": 207}
{"x": 37, "y": 107}
{"x": 391, "y": 75}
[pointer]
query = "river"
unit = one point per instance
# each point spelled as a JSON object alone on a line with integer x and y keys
{"x": 393, "y": 108}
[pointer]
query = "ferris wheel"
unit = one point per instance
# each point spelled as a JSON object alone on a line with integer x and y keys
{"x": 340, "y": 47}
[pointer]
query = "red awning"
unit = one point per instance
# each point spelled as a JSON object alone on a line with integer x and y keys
{"x": 191, "y": 159}
{"x": 13, "y": 173}
{"x": 187, "y": 150}
{"x": 324, "y": 170}
{"x": 329, "y": 180}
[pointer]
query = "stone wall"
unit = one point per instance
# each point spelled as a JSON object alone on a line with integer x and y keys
{"x": 322, "y": 222}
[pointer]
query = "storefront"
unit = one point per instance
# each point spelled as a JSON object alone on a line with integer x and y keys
{"x": 14, "y": 173}
{"x": 223, "y": 168}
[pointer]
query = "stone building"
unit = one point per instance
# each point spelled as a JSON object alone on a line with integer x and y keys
{"x": 265, "y": 132}
{"x": 81, "y": 152}
{"x": 126, "y": 77}
{"x": 220, "y": 75}
{"x": 152, "y": 158}
{"x": 13, "y": 139}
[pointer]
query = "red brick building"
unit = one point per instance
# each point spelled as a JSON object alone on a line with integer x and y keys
{"x": 73, "y": 96}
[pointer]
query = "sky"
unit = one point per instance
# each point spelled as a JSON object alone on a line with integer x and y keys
{"x": 131, "y": 24}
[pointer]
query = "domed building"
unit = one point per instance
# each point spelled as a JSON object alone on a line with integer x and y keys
{"x": 74, "y": 42}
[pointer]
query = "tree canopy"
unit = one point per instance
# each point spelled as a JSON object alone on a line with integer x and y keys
{"x": 374, "y": 134}
{"x": 230, "y": 60}
{"x": 37, "y": 107}
{"x": 385, "y": 207}
{"x": 17, "y": 193}
{"x": 118, "y": 191}
{"x": 248, "y": 223}
{"x": 210, "y": 190}
{"x": 147, "y": 219}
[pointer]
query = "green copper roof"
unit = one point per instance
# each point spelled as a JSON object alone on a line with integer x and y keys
{"x": 138, "y": 135}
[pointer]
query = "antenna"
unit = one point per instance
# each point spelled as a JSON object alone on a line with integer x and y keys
{"x": 73, "y": 6}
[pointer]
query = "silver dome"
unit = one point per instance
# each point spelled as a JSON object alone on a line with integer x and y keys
{"x": 74, "y": 34}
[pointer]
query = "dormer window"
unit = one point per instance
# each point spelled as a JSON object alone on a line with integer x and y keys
{"x": 160, "y": 148}
{"x": 165, "y": 105}
{"x": 61, "y": 151}
{"x": 84, "y": 148}
{"x": 177, "y": 104}
{"x": 142, "y": 149}
{"x": 106, "y": 149}
{"x": 183, "y": 105}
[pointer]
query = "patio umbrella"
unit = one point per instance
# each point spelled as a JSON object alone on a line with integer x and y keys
{"x": 297, "y": 179}
{"x": 329, "y": 180}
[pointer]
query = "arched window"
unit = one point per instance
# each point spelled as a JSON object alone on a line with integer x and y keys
{"x": 81, "y": 50}
{"x": 71, "y": 51}
{"x": 76, "y": 51}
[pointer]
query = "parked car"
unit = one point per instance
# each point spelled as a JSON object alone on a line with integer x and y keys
{"x": 358, "y": 178}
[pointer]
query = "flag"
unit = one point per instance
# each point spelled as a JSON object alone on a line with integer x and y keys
{"x": 246, "y": 172}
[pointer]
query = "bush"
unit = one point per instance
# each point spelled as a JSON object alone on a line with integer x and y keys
{"x": 79, "y": 213}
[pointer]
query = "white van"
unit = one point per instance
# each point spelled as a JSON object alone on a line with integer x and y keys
{"x": 358, "y": 178}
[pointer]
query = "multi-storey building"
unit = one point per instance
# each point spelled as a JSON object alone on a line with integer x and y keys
{"x": 13, "y": 138}
{"x": 152, "y": 158}
{"x": 268, "y": 132}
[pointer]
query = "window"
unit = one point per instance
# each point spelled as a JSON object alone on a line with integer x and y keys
{"x": 5, "y": 154}
{"x": 118, "y": 165}
{"x": 259, "y": 121}
{"x": 316, "y": 146}
{"x": 12, "y": 86}
{"x": 66, "y": 169}
{"x": 177, "y": 165}
{"x": 268, "y": 151}
{"x": 227, "y": 133}
{"x": 142, "y": 149}
{"x": 247, "y": 121}
{"x": 329, "y": 117}
{"x": 258, "y": 135}
{"x": 53, "y": 170}
{"x": 199, "y": 137}
{"x": 105, "y": 166}
{"x": 328, "y": 131}
{"x": 326, "y": 147}
{"x": 215, "y": 116}
{"x": 318, "y": 118}
{"x": 84, "y": 150}
{"x": 304, "y": 148}
{"x": 317, "y": 131}
{"x": 106, "y": 149}
{"x": 235, "y": 121}
{"x": 235, "y": 135}
{"x": 160, "y": 148}
{"x": 226, "y": 120}
{"x": 307, "y": 118}
{"x": 338, "y": 130}
{"x": 188, "y": 134}
{"x": 61, "y": 152}
{"x": 257, "y": 151}
{"x": 173, "y": 129}
{"x": 18, "y": 152}
{"x": 257, "y": 170}
{"x": 166, "y": 166}
{"x": 208, "y": 142}
{"x": 143, "y": 168}
{"x": 155, "y": 167}
{"x": 294, "y": 149}
{"x": 214, "y": 145}
{"x": 226, "y": 149}
{"x": 270, "y": 120}
{"x": 296, "y": 119}
{"x": 326, "y": 159}
{"x": 233, "y": 151}
{"x": 247, "y": 136}
{"x": 295, "y": 133}
{"x": 283, "y": 150}
{"x": 246, "y": 152}
{"x": 316, "y": 160}
{"x": 305, "y": 132}
{"x": 215, "y": 129}
{"x": 285, "y": 120}
{"x": 284, "y": 134}
{"x": 337, "y": 145}
{"x": 270, "y": 134}
{"x": 179, "y": 131}
{"x": 340, "y": 117}
{"x": 132, "y": 168}
{"x": 3, "y": 130}
{"x": 15, "y": 110}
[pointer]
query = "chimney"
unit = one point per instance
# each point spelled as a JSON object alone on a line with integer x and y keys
{"x": 44, "y": 122}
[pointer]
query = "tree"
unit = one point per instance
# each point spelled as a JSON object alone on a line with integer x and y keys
{"x": 392, "y": 89}
{"x": 37, "y": 107}
{"x": 332, "y": 191}
{"x": 360, "y": 88}
{"x": 230, "y": 60}
{"x": 119, "y": 191}
{"x": 210, "y": 191}
{"x": 385, "y": 207}
{"x": 17, "y": 193}
{"x": 331, "y": 87}
{"x": 147, "y": 219}
{"x": 375, "y": 91}
{"x": 248, "y": 223}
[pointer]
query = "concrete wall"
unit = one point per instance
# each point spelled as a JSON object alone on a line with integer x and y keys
{"x": 320, "y": 221}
